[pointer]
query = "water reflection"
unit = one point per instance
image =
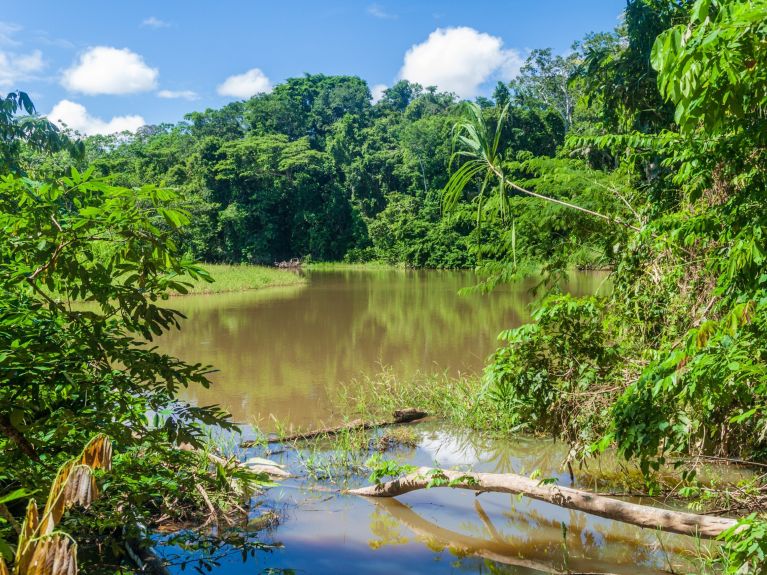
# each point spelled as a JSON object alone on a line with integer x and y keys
{"x": 538, "y": 552}
{"x": 283, "y": 351}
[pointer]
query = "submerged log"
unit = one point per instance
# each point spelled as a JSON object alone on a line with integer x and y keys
{"x": 406, "y": 415}
{"x": 641, "y": 515}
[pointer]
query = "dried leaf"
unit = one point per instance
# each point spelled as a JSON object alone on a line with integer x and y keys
{"x": 26, "y": 546}
{"x": 3, "y": 567}
{"x": 55, "y": 555}
{"x": 98, "y": 453}
{"x": 74, "y": 485}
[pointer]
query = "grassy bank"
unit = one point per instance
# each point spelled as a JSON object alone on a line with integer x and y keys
{"x": 231, "y": 278}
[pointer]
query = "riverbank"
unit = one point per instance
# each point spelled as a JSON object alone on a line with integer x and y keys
{"x": 344, "y": 266}
{"x": 233, "y": 278}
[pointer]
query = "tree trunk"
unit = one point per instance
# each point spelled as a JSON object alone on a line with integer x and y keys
{"x": 7, "y": 429}
{"x": 641, "y": 515}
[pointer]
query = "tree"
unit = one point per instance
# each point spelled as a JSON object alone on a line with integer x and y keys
{"x": 617, "y": 69}
{"x": 545, "y": 80}
{"x": 84, "y": 269}
{"x": 30, "y": 130}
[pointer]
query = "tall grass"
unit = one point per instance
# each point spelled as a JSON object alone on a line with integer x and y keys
{"x": 349, "y": 266}
{"x": 460, "y": 400}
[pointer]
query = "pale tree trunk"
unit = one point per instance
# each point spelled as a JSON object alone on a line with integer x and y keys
{"x": 641, "y": 515}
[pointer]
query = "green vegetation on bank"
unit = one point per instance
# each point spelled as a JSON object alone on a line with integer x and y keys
{"x": 229, "y": 278}
{"x": 644, "y": 151}
{"x": 314, "y": 169}
{"x": 71, "y": 374}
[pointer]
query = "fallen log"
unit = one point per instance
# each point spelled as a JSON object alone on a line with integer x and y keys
{"x": 400, "y": 416}
{"x": 641, "y": 515}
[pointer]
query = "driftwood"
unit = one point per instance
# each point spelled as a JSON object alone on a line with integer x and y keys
{"x": 293, "y": 263}
{"x": 641, "y": 515}
{"x": 274, "y": 470}
{"x": 407, "y": 415}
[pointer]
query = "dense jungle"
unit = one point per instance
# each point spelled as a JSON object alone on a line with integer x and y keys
{"x": 568, "y": 275}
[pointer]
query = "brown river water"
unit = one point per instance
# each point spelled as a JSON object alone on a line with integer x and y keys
{"x": 283, "y": 352}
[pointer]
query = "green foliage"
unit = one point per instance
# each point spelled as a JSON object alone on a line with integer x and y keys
{"x": 313, "y": 170}
{"x": 713, "y": 69}
{"x": 674, "y": 360}
{"x": 745, "y": 546}
{"x": 85, "y": 267}
{"x": 543, "y": 375}
{"x": 27, "y": 129}
{"x": 381, "y": 468}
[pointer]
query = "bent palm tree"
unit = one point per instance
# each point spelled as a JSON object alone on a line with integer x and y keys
{"x": 481, "y": 158}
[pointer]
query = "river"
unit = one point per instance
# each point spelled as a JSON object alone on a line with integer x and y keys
{"x": 282, "y": 353}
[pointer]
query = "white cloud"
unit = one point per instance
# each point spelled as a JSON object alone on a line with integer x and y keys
{"x": 377, "y": 11}
{"x": 107, "y": 70}
{"x": 77, "y": 118}
{"x": 153, "y": 22}
{"x": 177, "y": 94}
{"x": 459, "y": 60}
{"x": 7, "y": 31}
{"x": 18, "y": 67}
{"x": 245, "y": 85}
{"x": 377, "y": 91}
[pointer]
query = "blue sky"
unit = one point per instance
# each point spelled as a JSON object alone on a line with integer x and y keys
{"x": 111, "y": 65}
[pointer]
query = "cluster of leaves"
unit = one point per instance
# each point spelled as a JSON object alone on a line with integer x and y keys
{"x": 21, "y": 127}
{"x": 381, "y": 468}
{"x": 545, "y": 373}
{"x": 85, "y": 267}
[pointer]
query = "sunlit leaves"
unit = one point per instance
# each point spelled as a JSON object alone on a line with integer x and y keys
{"x": 85, "y": 267}
{"x": 713, "y": 69}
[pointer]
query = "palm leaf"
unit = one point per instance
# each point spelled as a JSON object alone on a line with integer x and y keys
{"x": 26, "y": 547}
{"x": 55, "y": 555}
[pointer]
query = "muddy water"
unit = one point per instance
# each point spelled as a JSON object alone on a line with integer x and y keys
{"x": 283, "y": 352}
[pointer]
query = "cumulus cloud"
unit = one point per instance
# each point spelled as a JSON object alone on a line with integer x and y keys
{"x": 245, "y": 85}
{"x": 377, "y": 11}
{"x": 76, "y": 117}
{"x": 17, "y": 67}
{"x": 153, "y": 22}
{"x": 177, "y": 94}
{"x": 107, "y": 70}
{"x": 377, "y": 91}
{"x": 459, "y": 60}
